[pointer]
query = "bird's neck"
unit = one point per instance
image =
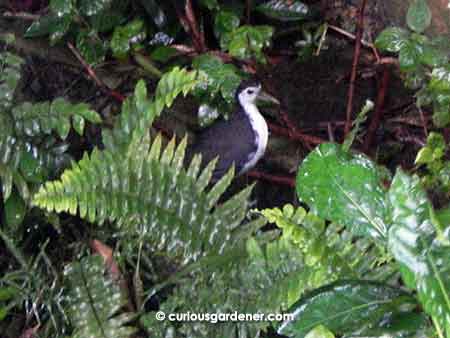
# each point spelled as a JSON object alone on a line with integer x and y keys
{"x": 257, "y": 121}
{"x": 251, "y": 110}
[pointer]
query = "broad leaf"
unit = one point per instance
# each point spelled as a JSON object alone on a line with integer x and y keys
{"x": 419, "y": 16}
{"x": 392, "y": 39}
{"x": 343, "y": 307}
{"x": 128, "y": 37}
{"x": 284, "y": 10}
{"x": 225, "y": 22}
{"x": 422, "y": 251}
{"x": 220, "y": 79}
{"x": 344, "y": 188}
{"x": 249, "y": 41}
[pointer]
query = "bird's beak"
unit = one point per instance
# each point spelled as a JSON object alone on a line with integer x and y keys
{"x": 265, "y": 97}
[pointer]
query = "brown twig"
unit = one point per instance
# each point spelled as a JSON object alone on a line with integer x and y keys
{"x": 248, "y": 10}
{"x": 289, "y": 181}
{"x": 351, "y": 88}
{"x": 295, "y": 135}
{"x": 198, "y": 38}
{"x": 21, "y": 15}
{"x": 377, "y": 116}
{"x": 351, "y": 36}
{"x": 119, "y": 97}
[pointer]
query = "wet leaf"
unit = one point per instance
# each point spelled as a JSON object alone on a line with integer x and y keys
{"x": 219, "y": 78}
{"x": 344, "y": 188}
{"x": 343, "y": 307}
{"x": 31, "y": 169}
{"x": 320, "y": 332}
{"x": 91, "y": 47}
{"x": 155, "y": 12}
{"x": 210, "y": 4}
{"x": 43, "y": 26}
{"x": 128, "y": 38}
{"x": 163, "y": 53}
{"x": 61, "y": 8}
{"x": 284, "y": 10}
{"x": 6, "y": 179}
{"x": 93, "y": 7}
{"x": 422, "y": 252}
{"x": 409, "y": 56}
{"x": 418, "y": 17}
{"x": 15, "y": 210}
{"x": 392, "y": 39}
{"x": 249, "y": 41}
{"x": 440, "y": 80}
{"x": 225, "y": 22}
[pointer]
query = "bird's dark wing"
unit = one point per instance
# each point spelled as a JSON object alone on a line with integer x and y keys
{"x": 233, "y": 141}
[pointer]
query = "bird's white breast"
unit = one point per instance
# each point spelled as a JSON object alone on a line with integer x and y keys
{"x": 261, "y": 130}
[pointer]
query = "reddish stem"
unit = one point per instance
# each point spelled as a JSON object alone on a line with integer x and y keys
{"x": 289, "y": 181}
{"x": 377, "y": 116}
{"x": 356, "y": 54}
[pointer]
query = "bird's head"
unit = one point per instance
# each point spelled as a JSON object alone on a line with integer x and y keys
{"x": 249, "y": 91}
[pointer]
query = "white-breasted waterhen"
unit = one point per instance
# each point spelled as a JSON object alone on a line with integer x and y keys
{"x": 242, "y": 139}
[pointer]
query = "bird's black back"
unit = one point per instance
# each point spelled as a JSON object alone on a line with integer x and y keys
{"x": 233, "y": 140}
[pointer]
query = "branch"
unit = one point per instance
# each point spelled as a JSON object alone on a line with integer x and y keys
{"x": 351, "y": 89}
{"x": 289, "y": 181}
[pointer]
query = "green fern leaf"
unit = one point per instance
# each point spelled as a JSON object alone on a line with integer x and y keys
{"x": 332, "y": 246}
{"x": 138, "y": 112}
{"x": 94, "y": 301}
{"x": 42, "y": 118}
{"x": 150, "y": 194}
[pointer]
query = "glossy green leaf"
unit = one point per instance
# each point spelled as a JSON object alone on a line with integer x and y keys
{"x": 418, "y": 17}
{"x": 156, "y": 12}
{"x": 416, "y": 245}
{"x": 91, "y": 47}
{"x": 320, "y": 331}
{"x": 128, "y": 37}
{"x": 284, "y": 10}
{"x": 343, "y": 307}
{"x": 440, "y": 80}
{"x": 219, "y": 78}
{"x": 163, "y": 53}
{"x": 344, "y": 188}
{"x": 225, "y": 22}
{"x": 392, "y": 39}
{"x": 61, "y": 8}
{"x": 210, "y": 4}
{"x": 31, "y": 169}
{"x": 409, "y": 55}
{"x": 6, "y": 179}
{"x": 15, "y": 210}
{"x": 93, "y": 7}
{"x": 10, "y": 66}
{"x": 51, "y": 25}
{"x": 249, "y": 41}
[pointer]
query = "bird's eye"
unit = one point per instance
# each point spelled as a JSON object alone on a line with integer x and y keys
{"x": 250, "y": 92}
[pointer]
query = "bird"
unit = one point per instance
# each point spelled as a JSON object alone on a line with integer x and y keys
{"x": 240, "y": 140}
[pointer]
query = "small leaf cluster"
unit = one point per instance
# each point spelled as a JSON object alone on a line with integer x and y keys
{"x": 433, "y": 157}
{"x": 423, "y": 60}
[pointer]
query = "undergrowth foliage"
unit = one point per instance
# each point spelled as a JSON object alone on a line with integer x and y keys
{"x": 366, "y": 255}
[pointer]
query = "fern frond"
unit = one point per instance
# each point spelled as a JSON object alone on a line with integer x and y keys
{"x": 94, "y": 301}
{"x": 332, "y": 245}
{"x": 258, "y": 278}
{"x": 148, "y": 190}
{"x": 37, "y": 119}
{"x": 138, "y": 112}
